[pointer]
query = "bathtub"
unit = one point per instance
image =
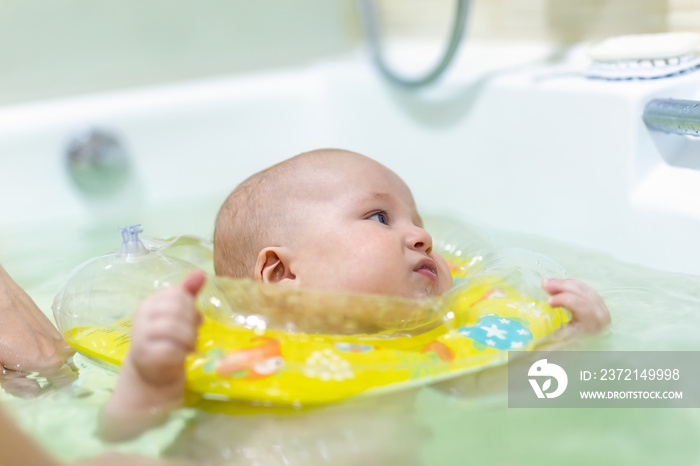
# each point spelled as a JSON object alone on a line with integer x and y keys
{"x": 507, "y": 140}
{"x": 514, "y": 140}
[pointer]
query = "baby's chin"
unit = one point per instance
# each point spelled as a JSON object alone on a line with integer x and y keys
{"x": 424, "y": 293}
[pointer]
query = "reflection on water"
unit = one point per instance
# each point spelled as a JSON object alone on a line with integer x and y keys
{"x": 456, "y": 423}
{"x": 31, "y": 385}
{"x": 381, "y": 430}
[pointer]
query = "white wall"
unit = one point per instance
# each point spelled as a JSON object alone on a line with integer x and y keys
{"x": 57, "y": 48}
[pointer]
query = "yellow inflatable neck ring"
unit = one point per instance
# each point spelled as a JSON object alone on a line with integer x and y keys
{"x": 274, "y": 345}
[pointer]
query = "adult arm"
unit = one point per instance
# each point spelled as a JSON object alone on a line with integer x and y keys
{"x": 16, "y": 447}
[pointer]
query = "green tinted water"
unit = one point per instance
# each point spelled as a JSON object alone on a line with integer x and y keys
{"x": 651, "y": 310}
{"x": 432, "y": 426}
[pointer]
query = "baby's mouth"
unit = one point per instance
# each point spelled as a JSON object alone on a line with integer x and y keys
{"x": 427, "y": 268}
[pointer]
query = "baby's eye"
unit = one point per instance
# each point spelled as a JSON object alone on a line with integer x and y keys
{"x": 380, "y": 217}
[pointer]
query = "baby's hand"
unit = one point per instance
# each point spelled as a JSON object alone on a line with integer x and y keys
{"x": 164, "y": 331}
{"x": 152, "y": 378}
{"x": 588, "y": 310}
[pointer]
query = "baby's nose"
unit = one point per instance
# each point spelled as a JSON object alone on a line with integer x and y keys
{"x": 421, "y": 240}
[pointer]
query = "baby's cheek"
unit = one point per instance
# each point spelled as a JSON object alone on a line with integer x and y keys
{"x": 444, "y": 274}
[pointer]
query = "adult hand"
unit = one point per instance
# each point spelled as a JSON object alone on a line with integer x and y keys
{"x": 28, "y": 340}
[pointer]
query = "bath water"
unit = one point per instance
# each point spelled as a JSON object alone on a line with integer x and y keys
{"x": 444, "y": 425}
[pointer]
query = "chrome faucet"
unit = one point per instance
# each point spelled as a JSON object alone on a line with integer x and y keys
{"x": 97, "y": 161}
{"x": 673, "y": 116}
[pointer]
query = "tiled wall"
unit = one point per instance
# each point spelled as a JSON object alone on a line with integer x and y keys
{"x": 52, "y": 48}
{"x": 559, "y": 20}
{"x": 684, "y": 15}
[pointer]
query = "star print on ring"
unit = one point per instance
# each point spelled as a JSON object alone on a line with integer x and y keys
{"x": 498, "y": 332}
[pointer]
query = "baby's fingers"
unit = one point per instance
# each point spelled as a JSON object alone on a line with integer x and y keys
{"x": 168, "y": 314}
{"x": 169, "y": 303}
{"x": 586, "y": 294}
{"x": 193, "y": 282}
{"x": 180, "y": 334}
{"x": 559, "y": 285}
{"x": 588, "y": 310}
{"x": 589, "y": 314}
{"x": 574, "y": 302}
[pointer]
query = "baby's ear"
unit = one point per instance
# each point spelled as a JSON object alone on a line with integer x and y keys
{"x": 272, "y": 266}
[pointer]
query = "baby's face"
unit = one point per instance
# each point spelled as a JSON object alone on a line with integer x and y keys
{"x": 360, "y": 232}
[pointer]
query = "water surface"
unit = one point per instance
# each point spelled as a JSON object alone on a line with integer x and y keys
{"x": 450, "y": 424}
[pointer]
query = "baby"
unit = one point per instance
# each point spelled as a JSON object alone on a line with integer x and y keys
{"x": 327, "y": 219}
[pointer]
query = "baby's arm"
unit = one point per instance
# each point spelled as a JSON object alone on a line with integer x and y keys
{"x": 587, "y": 308}
{"x": 152, "y": 378}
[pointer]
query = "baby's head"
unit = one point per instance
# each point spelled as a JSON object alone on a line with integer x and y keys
{"x": 332, "y": 220}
